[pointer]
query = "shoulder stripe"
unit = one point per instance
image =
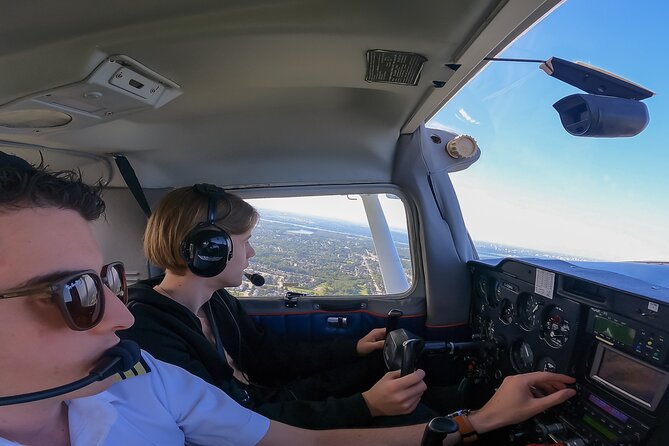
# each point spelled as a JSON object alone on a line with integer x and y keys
{"x": 141, "y": 368}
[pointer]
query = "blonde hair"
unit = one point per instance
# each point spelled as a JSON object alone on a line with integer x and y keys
{"x": 179, "y": 212}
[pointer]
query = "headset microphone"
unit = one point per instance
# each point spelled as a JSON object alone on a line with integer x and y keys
{"x": 117, "y": 359}
{"x": 255, "y": 279}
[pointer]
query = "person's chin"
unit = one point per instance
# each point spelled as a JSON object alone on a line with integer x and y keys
{"x": 231, "y": 282}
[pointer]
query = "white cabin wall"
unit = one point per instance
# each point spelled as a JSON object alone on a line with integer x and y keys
{"x": 120, "y": 232}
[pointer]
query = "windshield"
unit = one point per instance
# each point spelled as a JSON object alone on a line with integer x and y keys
{"x": 538, "y": 191}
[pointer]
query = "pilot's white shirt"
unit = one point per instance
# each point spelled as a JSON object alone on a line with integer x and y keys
{"x": 164, "y": 407}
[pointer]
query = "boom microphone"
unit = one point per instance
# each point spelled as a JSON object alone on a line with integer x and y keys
{"x": 117, "y": 359}
{"x": 255, "y": 279}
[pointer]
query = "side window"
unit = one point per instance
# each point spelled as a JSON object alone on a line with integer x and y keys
{"x": 331, "y": 245}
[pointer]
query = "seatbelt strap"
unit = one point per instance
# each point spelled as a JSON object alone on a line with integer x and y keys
{"x": 128, "y": 174}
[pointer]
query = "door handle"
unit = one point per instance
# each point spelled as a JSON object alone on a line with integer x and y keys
{"x": 337, "y": 321}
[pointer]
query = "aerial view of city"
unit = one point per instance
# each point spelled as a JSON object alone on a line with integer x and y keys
{"x": 317, "y": 257}
{"x": 323, "y": 257}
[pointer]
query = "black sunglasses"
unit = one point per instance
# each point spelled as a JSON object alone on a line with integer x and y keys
{"x": 80, "y": 296}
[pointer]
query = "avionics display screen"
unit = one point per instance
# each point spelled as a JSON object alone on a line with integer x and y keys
{"x": 614, "y": 330}
{"x": 609, "y": 409}
{"x": 629, "y": 377}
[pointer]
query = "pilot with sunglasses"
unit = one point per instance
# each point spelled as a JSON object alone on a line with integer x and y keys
{"x": 60, "y": 309}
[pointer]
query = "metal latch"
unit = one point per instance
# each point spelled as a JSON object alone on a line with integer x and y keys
{"x": 290, "y": 301}
{"x": 337, "y": 321}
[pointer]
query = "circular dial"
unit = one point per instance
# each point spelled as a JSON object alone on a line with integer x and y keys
{"x": 528, "y": 311}
{"x": 482, "y": 287}
{"x": 555, "y": 328}
{"x": 546, "y": 364}
{"x": 498, "y": 291}
{"x": 522, "y": 357}
{"x": 506, "y": 311}
{"x": 482, "y": 291}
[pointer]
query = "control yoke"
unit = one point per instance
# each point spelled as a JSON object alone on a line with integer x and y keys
{"x": 393, "y": 320}
{"x": 403, "y": 348}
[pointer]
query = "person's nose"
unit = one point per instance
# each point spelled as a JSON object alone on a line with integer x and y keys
{"x": 250, "y": 252}
{"x": 117, "y": 316}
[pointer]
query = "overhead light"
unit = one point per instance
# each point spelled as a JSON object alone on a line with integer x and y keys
{"x": 33, "y": 119}
{"x": 119, "y": 86}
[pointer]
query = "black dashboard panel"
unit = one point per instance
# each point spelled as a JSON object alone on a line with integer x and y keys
{"x": 608, "y": 330}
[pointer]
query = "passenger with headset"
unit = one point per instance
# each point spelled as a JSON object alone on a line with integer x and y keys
{"x": 200, "y": 236}
{"x": 66, "y": 380}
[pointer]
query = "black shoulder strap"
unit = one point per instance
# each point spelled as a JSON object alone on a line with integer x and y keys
{"x": 128, "y": 174}
{"x": 209, "y": 313}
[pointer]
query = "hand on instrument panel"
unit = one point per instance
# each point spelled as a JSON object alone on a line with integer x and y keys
{"x": 395, "y": 395}
{"x": 520, "y": 397}
{"x": 371, "y": 341}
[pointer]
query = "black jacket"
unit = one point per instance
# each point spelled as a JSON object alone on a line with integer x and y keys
{"x": 291, "y": 382}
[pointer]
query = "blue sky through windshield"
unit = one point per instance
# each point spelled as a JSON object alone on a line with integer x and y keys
{"x": 538, "y": 187}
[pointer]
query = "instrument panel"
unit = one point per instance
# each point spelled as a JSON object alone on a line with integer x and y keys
{"x": 596, "y": 326}
{"x": 536, "y": 330}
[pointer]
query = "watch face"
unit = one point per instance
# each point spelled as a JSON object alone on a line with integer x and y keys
{"x": 441, "y": 425}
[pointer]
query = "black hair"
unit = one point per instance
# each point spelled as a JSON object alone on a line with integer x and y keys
{"x": 24, "y": 186}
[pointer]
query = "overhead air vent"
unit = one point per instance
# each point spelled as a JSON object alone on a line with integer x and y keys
{"x": 119, "y": 86}
{"x": 394, "y": 67}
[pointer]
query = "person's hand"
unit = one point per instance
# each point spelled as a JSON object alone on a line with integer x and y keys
{"x": 394, "y": 394}
{"x": 373, "y": 340}
{"x": 520, "y": 397}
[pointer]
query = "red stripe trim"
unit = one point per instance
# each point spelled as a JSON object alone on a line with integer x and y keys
{"x": 334, "y": 312}
{"x": 459, "y": 324}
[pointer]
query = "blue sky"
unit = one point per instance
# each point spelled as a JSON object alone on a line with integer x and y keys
{"x": 535, "y": 185}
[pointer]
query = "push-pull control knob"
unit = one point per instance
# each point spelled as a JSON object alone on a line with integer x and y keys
{"x": 393, "y": 320}
{"x": 552, "y": 428}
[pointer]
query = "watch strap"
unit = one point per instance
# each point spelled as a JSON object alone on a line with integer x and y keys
{"x": 468, "y": 434}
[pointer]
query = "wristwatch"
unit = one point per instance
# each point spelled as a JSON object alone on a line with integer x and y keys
{"x": 468, "y": 434}
{"x": 438, "y": 429}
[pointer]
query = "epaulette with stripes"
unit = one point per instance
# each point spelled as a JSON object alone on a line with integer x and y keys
{"x": 140, "y": 368}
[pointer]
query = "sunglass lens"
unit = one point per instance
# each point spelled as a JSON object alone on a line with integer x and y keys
{"x": 82, "y": 300}
{"x": 114, "y": 278}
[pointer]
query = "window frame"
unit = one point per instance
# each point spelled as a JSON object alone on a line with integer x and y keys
{"x": 341, "y": 190}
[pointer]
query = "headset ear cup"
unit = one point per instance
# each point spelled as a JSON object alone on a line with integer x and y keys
{"x": 207, "y": 250}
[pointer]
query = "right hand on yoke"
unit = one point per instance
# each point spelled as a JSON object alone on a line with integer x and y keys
{"x": 394, "y": 394}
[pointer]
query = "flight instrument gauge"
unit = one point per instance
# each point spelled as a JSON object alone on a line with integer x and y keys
{"x": 506, "y": 311}
{"x": 546, "y": 364}
{"x": 522, "y": 357}
{"x": 528, "y": 311}
{"x": 482, "y": 287}
{"x": 482, "y": 294}
{"x": 555, "y": 328}
{"x": 498, "y": 291}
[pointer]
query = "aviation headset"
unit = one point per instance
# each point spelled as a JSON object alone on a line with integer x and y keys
{"x": 207, "y": 248}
